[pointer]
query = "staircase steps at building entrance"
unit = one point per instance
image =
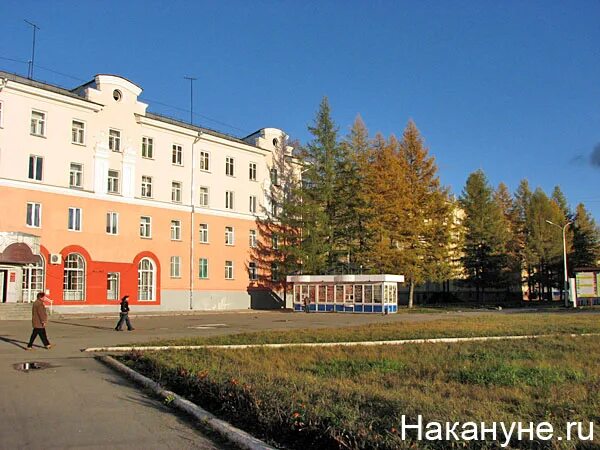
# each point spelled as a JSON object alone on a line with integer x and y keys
{"x": 15, "y": 311}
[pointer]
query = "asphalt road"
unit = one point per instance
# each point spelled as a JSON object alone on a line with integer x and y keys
{"x": 77, "y": 402}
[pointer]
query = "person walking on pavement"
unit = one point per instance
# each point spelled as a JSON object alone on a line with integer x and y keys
{"x": 39, "y": 318}
{"x": 124, "y": 315}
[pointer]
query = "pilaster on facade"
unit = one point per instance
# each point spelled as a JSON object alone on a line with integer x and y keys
{"x": 101, "y": 154}
{"x": 129, "y": 160}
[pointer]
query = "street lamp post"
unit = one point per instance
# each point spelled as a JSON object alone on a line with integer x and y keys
{"x": 564, "y": 239}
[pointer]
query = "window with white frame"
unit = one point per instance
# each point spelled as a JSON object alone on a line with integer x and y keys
{"x": 228, "y": 199}
{"x": 36, "y": 166}
{"x": 112, "y": 285}
{"x": 229, "y": 166}
{"x": 252, "y": 272}
{"x": 74, "y": 277}
{"x": 274, "y": 209}
{"x": 112, "y": 223}
{"x": 145, "y": 227}
{"x": 175, "y": 230}
{"x": 177, "y": 155}
{"x": 229, "y": 236}
{"x": 33, "y": 281}
{"x": 38, "y": 123}
{"x": 204, "y": 233}
{"x": 252, "y": 205}
{"x": 203, "y": 268}
{"x": 74, "y": 219}
{"x": 147, "y": 147}
{"x": 204, "y": 196}
{"x": 34, "y": 215}
{"x": 252, "y": 239}
{"x": 204, "y": 161}
{"x": 146, "y": 280}
{"x": 114, "y": 185}
{"x": 175, "y": 266}
{"x": 274, "y": 272}
{"x": 176, "y": 191}
{"x": 78, "y": 132}
{"x": 76, "y": 176}
{"x": 146, "y": 186}
{"x": 275, "y": 241}
{"x": 229, "y": 270}
{"x": 114, "y": 140}
{"x": 274, "y": 177}
{"x": 252, "y": 171}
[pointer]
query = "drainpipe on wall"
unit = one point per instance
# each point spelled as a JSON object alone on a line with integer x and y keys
{"x": 193, "y": 210}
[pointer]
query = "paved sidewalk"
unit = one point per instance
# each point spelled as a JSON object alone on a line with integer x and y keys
{"x": 80, "y": 403}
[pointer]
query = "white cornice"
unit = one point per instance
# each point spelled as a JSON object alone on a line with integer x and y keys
{"x": 165, "y": 126}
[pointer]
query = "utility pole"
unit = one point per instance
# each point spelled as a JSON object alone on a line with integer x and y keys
{"x": 31, "y": 62}
{"x": 192, "y": 194}
{"x": 192, "y": 79}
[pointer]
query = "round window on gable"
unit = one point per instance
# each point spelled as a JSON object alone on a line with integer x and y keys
{"x": 275, "y": 142}
{"x": 117, "y": 95}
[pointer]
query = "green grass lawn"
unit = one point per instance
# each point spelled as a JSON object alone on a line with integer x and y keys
{"x": 354, "y": 397}
{"x": 484, "y": 325}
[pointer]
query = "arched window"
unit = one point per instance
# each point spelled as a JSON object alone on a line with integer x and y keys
{"x": 33, "y": 280}
{"x": 146, "y": 280}
{"x": 74, "y": 277}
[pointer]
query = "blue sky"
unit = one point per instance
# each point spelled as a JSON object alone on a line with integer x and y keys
{"x": 510, "y": 87}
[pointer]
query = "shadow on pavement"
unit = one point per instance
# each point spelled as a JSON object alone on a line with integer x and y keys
{"x": 17, "y": 343}
{"x": 97, "y": 327}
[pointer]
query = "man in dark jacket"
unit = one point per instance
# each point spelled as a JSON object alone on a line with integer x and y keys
{"x": 39, "y": 318}
{"x": 124, "y": 315}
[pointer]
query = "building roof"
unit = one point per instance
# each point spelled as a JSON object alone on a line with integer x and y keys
{"x": 42, "y": 85}
{"x": 71, "y": 93}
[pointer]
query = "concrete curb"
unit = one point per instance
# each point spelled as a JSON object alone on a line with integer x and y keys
{"x": 330, "y": 344}
{"x": 229, "y": 432}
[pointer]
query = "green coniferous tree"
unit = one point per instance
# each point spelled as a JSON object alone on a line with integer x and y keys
{"x": 277, "y": 250}
{"x": 352, "y": 180}
{"x": 544, "y": 243}
{"x": 522, "y": 200}
{"x": 485, "y": 235}
{"x": 511, "y": 272}
{"x": 319, "y": 207}
{"x": 586, "y": 241}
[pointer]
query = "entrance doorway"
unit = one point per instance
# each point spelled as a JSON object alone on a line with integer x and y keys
{"x": 3, "y": 285}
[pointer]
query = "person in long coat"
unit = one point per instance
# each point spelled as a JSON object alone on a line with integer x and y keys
{"x": 39, "y": 319}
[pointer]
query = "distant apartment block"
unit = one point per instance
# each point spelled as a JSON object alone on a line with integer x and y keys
{"x": 101, "y": 198}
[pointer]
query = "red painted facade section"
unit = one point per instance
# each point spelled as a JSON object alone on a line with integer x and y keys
{"x": 96, "y": 273}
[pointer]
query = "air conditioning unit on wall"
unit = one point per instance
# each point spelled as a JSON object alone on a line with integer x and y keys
{"x": 55, "y": 258}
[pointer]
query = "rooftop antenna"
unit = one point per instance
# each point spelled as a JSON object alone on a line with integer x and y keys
{"x": 31, "y": 62}
{"x": 192, "y": 79}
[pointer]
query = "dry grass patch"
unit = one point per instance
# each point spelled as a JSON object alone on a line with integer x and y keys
{"x": 354, "y": 397}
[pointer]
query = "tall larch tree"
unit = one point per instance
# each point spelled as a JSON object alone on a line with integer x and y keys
{"x": 424, "y": 232}
{"x": 383, "y": 194}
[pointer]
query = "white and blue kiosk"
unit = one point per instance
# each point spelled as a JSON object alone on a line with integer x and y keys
{"x": 346, "y": 293}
